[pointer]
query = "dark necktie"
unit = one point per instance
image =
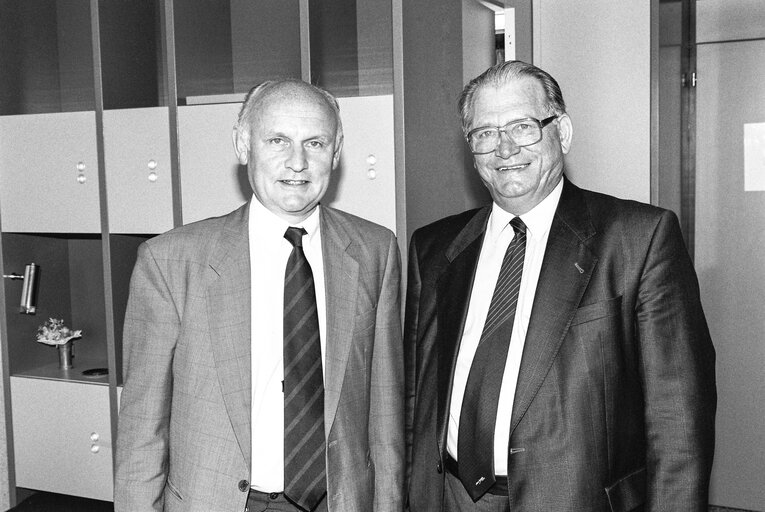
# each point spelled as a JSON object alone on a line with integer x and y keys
{"x": 475, "y": 442}
{"x": 304, "y": 451}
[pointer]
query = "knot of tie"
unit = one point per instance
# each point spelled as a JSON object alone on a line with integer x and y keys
{"x": 518, "y": 225}
{"x": 294, "y": 236}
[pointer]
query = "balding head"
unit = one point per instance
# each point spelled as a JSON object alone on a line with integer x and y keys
{"x": 289, "y": 90}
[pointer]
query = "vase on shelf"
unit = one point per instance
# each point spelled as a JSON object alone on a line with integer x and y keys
{"x": 66, "y": 355}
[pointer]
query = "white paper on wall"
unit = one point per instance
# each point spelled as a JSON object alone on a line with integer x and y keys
{"x": 754, "y": 157}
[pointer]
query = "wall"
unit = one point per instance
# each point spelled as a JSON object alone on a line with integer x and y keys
{"x": 601, "y": 57}
{"x": 730, "y": 236}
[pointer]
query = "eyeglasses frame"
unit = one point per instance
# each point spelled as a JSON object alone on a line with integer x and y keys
{"x": 544, "y": 122}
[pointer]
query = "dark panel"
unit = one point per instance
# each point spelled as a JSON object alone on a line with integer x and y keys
{"x": 123, "y": 255}
{"x": 203, "y": 47}
{"x": 75, "y": 56}
{"x": 86, "y": 288}
{"x": 265, "y": 41}
{"x": 130, "y": 71}
{"x": 29, "y": 81}
{"x": 334, "y": 46}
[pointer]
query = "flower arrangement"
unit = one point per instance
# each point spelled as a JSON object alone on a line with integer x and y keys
{"x": 54, "y": 332}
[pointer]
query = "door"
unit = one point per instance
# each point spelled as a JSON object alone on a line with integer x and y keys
{"x": 62, "y": 437}
{"x": 49, "y": 173}
{"x": 138, "y": 184}
{"x": 730, "y": 235}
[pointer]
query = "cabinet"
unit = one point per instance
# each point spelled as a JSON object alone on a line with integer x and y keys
{"x": 115, "y": 125}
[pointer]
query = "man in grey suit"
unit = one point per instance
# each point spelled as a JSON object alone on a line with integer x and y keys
{"x": 558, "y": 358}
{"x": 234, "y": 320}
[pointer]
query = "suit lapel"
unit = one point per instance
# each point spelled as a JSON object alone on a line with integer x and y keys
{"x": 566, "y": 270}
{"x": 341, "y": 276}
{"x": 228, "y": 312}
{"x": 454, "y": 287}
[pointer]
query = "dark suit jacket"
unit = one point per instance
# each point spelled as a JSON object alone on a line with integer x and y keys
{"x": 185, "y": 420}
{"x": 615, "y": 401}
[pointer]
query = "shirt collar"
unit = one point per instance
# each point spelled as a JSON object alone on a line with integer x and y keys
{"x": 538, "y": 220}
{"x": 269, "y": 225}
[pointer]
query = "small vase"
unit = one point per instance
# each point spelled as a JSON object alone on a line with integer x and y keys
{"x": 65, "y": 355}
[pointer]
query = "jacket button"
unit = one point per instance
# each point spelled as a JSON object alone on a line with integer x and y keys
{"x": 244, "y": 485}
{"x": 439, "y": 468}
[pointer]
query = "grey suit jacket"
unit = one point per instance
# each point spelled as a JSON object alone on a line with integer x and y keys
{"x": 615, "y": 400}
{"x": 184, "y": 426}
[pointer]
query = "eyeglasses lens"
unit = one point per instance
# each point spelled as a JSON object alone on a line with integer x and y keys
{"x": 521, "y": 133}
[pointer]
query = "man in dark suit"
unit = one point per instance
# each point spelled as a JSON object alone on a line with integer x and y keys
{"x": 264, "y": 367}
{"x": 558, "y": 358}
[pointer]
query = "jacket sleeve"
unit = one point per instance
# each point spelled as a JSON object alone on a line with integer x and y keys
{"x": 678, "y": 374}
{"x": 386, "y": 408}
{"x": 150, "y": 333}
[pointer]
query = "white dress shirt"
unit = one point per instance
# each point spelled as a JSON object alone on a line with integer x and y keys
{"x": 269, "y": 252}
{"x": 498, "y": 236}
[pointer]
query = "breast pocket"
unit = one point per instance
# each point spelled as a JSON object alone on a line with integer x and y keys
{"x": 598, "y": 310}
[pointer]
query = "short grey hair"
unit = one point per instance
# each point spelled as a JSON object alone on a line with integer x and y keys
{"x": 503, "y": 73}
{"x": 257, "y": 94}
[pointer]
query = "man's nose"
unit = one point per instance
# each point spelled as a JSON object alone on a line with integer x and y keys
{"x": 296, "y": 161}
{"x": 507, "y": 146}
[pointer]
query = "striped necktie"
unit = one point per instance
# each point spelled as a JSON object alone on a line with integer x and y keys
{"x": 475, "y": 438}
{"x": 304, "y": 450}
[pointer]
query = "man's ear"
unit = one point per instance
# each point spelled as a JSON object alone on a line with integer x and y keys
{"x": 336, "y": 155}
{"x": 241, "y": 139}
{"x": 565, "y": 132}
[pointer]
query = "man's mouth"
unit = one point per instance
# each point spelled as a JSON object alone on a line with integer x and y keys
{"x": 294, "y": 182}
{"x": 508, "y": 168}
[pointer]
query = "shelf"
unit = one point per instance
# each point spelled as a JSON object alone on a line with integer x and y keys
{"x": 51, "y": 371}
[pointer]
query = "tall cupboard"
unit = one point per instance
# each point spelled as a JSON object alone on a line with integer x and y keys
{"x": 115, "y": 126}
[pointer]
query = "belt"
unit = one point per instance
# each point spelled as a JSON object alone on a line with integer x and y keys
{"x": 499, "y": 488}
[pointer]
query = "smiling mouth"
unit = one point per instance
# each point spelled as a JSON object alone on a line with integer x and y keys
{"x": 293, "y": 182}
{"x": 508, "y": 168}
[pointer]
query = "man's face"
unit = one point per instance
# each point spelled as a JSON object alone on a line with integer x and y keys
{"x": 291, "y": 153}
{"x": 519, "y": 178}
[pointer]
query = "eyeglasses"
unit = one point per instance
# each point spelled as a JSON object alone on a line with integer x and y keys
{"x": 522, "y": 132}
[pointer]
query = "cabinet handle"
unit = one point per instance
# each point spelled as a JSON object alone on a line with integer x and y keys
{"x": 81, "y": 179}
{"x": 94, "y": 436}
{"x": 152, "y": 170}
{"x": 371, "y": 172}
{"x": 95, "y": 448}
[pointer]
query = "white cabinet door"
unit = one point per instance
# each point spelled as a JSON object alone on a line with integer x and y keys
{"x": 62, "y": 437}
{"x": 212, "y": 181}
{"x": 138, "y": 178}
{"x": 364, "y": 183}
{"x": 49, "y": 173}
